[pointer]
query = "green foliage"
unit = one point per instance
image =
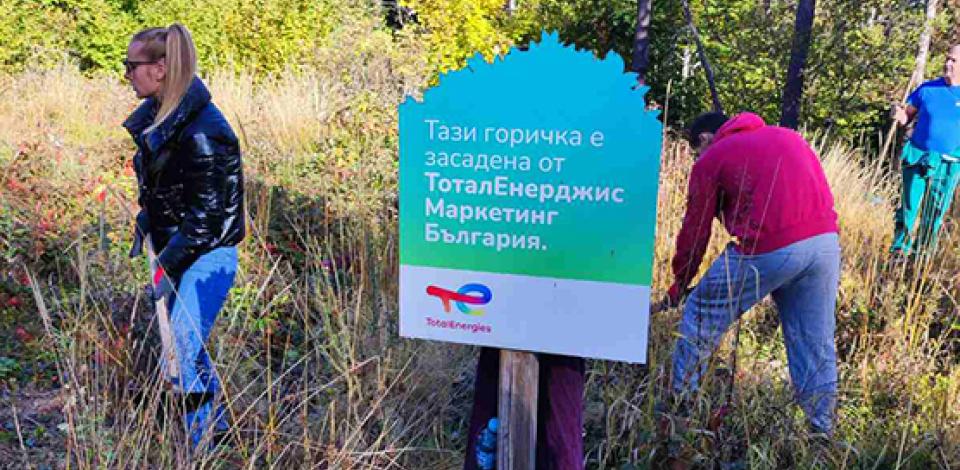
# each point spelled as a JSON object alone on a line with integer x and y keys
{"x": 30, "y": 33}
{"x": 860, "y": 62}
{"x": 266, "y": 36}
{"x": 861, "y": 56}
{"x": 263, "y": 35}
{"x": 101, "y": 30}
{"x": 457, "y": 29}
{"x": 9, "y": 368}
{"x": 94, "y": 32}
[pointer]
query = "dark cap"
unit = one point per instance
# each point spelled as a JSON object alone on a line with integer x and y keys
{"x": 706, "y": 122}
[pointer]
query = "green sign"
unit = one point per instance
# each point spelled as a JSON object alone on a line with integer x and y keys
{"x": 541, "y": 167}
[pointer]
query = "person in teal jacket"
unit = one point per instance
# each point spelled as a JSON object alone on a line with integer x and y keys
{"x": 930, "y": 159}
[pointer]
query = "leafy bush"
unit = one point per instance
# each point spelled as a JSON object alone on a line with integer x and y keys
{"x": 457, "y": 29}
{"x": 259, "y": 35}
{"x": 9, "y": 368}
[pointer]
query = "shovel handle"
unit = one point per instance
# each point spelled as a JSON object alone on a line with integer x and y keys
{"x": 167, "y": 344}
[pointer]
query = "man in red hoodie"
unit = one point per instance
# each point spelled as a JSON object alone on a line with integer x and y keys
{"x": 767, "y": 187}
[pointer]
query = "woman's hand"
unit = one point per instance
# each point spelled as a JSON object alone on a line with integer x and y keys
{"x": 162, "y": 285}
{"x": 898, "y": 113}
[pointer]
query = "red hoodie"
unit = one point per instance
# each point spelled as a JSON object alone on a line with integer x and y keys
{"x": 764, "y": 183}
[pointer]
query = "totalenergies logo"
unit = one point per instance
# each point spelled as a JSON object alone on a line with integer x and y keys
{"x": 470, "y": 294}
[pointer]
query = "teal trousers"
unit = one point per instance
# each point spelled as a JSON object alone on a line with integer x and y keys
{"x": 927, "y": 192}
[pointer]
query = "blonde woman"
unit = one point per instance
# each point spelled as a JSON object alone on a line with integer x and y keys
{"x": 190, "y": 178}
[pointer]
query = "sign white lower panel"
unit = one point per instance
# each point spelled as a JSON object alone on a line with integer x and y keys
{"x": 561, "y": 316}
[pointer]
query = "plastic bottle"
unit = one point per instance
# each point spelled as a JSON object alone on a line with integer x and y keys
{"x": 487, "y": 446}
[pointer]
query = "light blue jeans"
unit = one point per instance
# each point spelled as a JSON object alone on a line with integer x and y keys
{"x": 201, "y": 293}
{"x": 803, "y": 278}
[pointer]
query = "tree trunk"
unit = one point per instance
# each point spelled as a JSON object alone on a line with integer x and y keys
{"x": 793, "y": 88}
{"x": 924, "y": 50}
{"x": 954, "y": 5}
{"x": 717, "y": 107}
{"x": 918, "y": 73}
{"x": 510, "y": 6}
{"x": 641, "y": 42}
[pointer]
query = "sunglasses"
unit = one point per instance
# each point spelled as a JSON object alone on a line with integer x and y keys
{"x": 131, "y": 65}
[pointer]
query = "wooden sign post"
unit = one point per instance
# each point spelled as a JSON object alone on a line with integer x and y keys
{"x": 517, "y": 435}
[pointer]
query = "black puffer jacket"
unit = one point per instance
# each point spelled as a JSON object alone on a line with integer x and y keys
{"x": 191, "y": 180}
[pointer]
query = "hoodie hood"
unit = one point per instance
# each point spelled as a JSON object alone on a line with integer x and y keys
{"x": 743, "y": 122}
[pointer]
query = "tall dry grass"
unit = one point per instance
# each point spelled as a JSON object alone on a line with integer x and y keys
{"x": 314, "y": 373}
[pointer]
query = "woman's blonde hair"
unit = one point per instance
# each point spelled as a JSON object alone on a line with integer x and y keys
{"x": 173, "y": 44}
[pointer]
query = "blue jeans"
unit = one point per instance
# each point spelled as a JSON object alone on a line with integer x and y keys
{"x": 803, "y": 279}
{"x": 201, "y": 293}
